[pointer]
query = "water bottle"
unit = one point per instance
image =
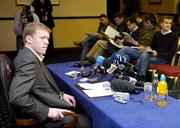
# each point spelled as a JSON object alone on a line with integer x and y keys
{"x": 154, "y": 88}
{"x": 162, "y": 91}
{"x": 82, "y": 70}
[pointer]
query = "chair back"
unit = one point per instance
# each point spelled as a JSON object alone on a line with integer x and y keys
{"x": 176, "y": 57}
{"x": 7, "y": 117}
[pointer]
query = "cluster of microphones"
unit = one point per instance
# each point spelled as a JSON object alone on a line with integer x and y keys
{"x": 117, "y": 65}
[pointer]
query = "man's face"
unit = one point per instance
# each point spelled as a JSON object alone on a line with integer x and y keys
{"x": 39, "y": 41}
{"x": 131, "y": 26}
{"x": 118, "y": 20}
{"x": 148, "y": 24}
{"x": 166, "y": 24}
{"x": 104, "y": 20}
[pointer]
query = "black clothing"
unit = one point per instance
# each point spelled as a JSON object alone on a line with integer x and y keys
{"x": 165, "y": 45}
{"x": 44, "y": 12}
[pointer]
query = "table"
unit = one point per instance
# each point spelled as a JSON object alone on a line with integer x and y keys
{"x": 107, "y": 113}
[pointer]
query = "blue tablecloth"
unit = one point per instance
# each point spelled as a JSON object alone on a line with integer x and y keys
{"x": 107, "y": 113}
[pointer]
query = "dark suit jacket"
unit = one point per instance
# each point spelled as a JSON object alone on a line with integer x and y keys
{"x": 33, "y": 89}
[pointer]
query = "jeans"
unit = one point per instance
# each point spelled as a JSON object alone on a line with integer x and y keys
{"x": 129, "y": 53}
{"x": 88, "y": 44}
{"x": 145, "y": 59}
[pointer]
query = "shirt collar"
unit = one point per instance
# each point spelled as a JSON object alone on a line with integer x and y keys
{"x": 134, "y": 30}
{"x": 39, "y": 56}
{"x": 167, "y": 32}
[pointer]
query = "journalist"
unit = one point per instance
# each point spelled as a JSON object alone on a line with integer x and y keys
{"x": 22, "y": 18}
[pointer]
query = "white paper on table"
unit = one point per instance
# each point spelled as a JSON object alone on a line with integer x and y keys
{"x": 96, "y": 89}
{"x": 72, "y": 73}
{"x": 98, "y": 93}
{"x": 94, "y": 86}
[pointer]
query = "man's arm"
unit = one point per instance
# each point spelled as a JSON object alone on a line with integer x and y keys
{"x": 20, "y": 90}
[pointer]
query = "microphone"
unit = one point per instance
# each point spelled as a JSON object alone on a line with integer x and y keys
{"x": 99, "y": 62}
{"x": 119, "y": 85}
{"x": 119, "y": 60}
{"x": 112, "y": 67}
{"x": 130, "y": 79}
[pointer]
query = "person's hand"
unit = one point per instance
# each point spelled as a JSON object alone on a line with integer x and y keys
{"x": 154, "y": 53}
{"x": 148, "y": 49}
{"x": 56, "y": 113}
{"x": 142, "y": 48}
{"x": 70, "y": 99}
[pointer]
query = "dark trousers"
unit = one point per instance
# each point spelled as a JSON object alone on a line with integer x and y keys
{"x": 19, "y": 42}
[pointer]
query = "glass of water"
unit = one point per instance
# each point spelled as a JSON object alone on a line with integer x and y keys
{"x": 148, "y": 91}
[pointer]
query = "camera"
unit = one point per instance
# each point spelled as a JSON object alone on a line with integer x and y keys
{"x": 28, "y": 14}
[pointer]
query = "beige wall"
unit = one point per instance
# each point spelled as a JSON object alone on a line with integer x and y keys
{"x": 166, "y": 6}
{"x": 66, "y": 30}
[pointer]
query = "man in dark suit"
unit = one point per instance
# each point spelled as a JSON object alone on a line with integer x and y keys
{"x": 33, "y": 90}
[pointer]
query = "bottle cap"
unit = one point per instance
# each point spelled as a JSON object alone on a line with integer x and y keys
{"x": 162, "y": 78}
{"x": 155, "y": 75}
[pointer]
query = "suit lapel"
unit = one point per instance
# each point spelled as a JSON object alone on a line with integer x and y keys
{"x": 45, "y": 71}
{"x": 48, "y": 75}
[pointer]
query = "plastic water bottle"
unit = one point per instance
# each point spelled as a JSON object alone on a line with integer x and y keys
{"x": 154, "y": 88}
{"x": 82, "y": 70}
{"x": 162, "y": 91}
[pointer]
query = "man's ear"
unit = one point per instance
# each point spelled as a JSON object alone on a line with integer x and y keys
{"x": 29, "y": 39}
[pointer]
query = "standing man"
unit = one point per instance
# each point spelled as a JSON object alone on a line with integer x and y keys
{"x": 33, "y": 89}
{"x": 162, "y": 48}
{"x": 43, "y": 8}
{"x": 21, "y": 19}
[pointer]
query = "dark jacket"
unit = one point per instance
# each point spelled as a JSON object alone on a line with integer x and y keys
{"x": 33, "y": 90}
{"x": 42, "y": 10}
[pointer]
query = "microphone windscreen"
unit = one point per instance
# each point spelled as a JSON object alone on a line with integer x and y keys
{"x": 100, "y": 60}
{"x": 125, "y": 78}
{"x": 118, "y": 59}
{"x": 119, "y": 85}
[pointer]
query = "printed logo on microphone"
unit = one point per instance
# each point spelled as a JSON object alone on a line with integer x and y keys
{"x": 118, "y": 59}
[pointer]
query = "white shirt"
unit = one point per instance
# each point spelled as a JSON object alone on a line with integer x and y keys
{"x": 40, "y": 57}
